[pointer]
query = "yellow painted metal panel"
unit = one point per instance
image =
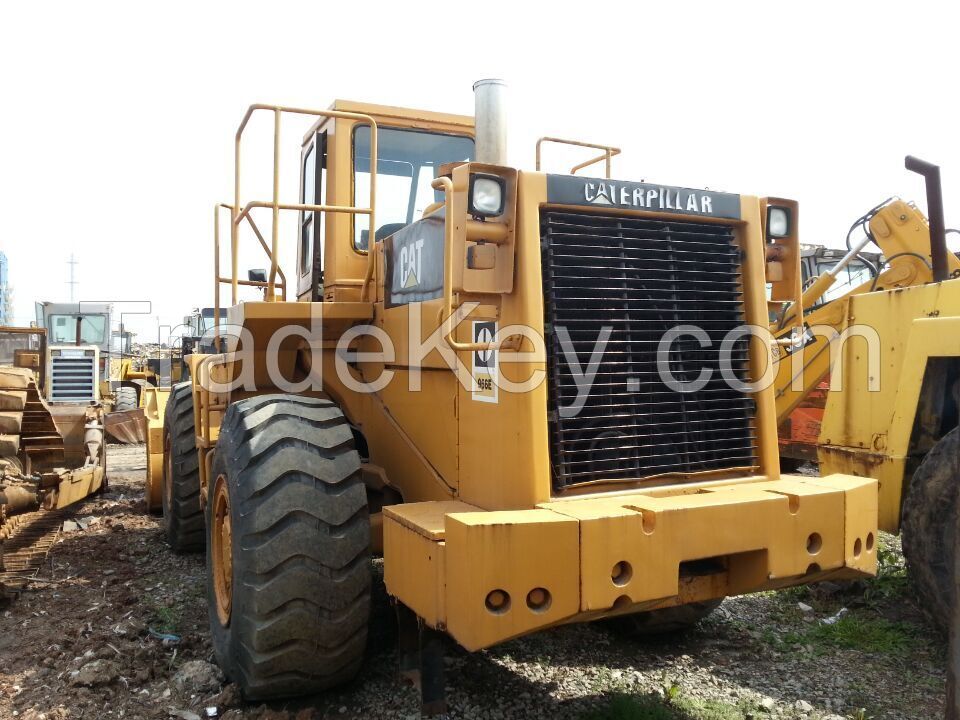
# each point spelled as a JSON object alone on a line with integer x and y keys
{"x": 77, "y": 485}
{"x": 860, "y": 527}
{"x": 753, "y": 271}
{"x": 413, "y": 568}
{"x": 604, "y": 555}
{"x": 428, "y": 417}
{"x": 514, "y": 452}
{"x": 515, "y": 552}
{"x": 867, "y": 431}
{"x": 766, "y": 525}
{"x": 426, "y": 518}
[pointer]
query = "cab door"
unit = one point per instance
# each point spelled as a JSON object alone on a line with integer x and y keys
{"x": 313, "y": 161}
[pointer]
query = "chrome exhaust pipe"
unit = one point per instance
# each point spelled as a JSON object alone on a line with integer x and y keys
{"x": 490, "y": 120}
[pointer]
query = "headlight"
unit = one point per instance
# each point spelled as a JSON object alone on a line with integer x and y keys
{"x": 486, "y": 195}
{"x": 778, "y": 222}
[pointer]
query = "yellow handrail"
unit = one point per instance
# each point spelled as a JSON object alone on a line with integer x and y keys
{"x": 609, "y": 152}
{"x": 219, "y": 280}
{"x": 238, "y": 214}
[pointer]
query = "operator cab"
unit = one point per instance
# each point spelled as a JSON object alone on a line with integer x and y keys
{"x": 335, "y": 170}
{"x": 77, "y": 323}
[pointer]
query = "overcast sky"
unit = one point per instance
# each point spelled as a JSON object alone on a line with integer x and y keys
{"x": 118, "y": 118}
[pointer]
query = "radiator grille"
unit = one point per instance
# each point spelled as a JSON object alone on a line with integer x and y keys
{"x": 73, "y": 378}
{"x": 640, "y": 278}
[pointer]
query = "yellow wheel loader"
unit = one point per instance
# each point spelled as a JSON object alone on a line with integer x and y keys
{"x": 891, "y": 348}
{"x": 539, "y": 395}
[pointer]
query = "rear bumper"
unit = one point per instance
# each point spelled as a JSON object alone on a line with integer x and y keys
{"x": 601, "y": 556}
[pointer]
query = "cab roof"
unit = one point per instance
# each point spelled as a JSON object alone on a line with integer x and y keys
{"x": 407, "y": 117}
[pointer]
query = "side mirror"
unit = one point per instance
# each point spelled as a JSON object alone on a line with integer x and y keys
{"x": 257, "y": 275}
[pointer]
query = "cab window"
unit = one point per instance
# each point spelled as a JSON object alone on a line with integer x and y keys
{"x": 306, "y": 218}
{"x": 852, "y": 276}
{"x": 63, "y": 329}
{"x": 407, "y": 162}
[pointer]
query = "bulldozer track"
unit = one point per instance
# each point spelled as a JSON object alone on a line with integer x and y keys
{"x": 26, "y": 541}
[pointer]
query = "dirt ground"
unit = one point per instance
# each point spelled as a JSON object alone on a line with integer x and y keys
{"x": 115, "y": 625}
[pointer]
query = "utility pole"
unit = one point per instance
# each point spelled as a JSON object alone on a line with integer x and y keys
{"x": 72, "y": 282}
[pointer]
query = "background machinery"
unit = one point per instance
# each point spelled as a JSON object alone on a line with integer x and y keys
{"x": 89, "y": 324}
{"x": 198, "y": 337}
{"x": 51, "y": 443}
{"x": 798, "y": 432}
{"x": 891, "y": 348}
{"x": 466, "y": 371}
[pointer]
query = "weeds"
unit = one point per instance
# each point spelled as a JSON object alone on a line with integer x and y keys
{"x": 164, "y": 619}
{"x": 891, "y": 581}
{"x": 855, "y": 632}
{"x": 674, "y": 707}
{"x": 626, "y": 707}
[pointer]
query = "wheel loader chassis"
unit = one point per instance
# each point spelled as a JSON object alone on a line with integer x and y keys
{"x": 556, "y": 560}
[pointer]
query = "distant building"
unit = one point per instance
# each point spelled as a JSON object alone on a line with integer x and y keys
{"x": 6, "y": 298}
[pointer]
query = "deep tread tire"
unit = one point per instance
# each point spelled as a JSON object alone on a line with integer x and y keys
{"x": 928, "y": 527}
{"x": 182, "y": 516}
{"x": 301, "y": 569}
{"x": 664, "y": 620}
{"x": 126, "y": 399}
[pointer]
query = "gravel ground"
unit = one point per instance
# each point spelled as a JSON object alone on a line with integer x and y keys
{"x": 87, "y": 641}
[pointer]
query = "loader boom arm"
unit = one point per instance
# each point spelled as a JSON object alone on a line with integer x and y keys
{"x": 903, "y": 234}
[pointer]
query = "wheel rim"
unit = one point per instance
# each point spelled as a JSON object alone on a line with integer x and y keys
{"x": 221, "y": 552}
{"x": 167, "y": 473}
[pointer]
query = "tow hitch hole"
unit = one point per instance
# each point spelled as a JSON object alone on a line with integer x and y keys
{"x": 622, "y": 602}
{"x": 621, "y": 573}
{"x": 498, "y": 601}
{"x": 870, "y": 542}
{"x": 814, "y": 543}
{"x": 539, "y": 600}
{"x": 857, "y": 548}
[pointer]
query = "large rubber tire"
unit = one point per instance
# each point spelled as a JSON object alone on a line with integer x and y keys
{"x": 297, "y": 567}
{"x": 126, "y": 399}
{"x": 182, "y": 516}
{"x": 928, "y": 527}
{"x": 665, "y": 620}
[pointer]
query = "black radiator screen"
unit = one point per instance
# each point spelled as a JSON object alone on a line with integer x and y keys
{"x": 639, "y": 278}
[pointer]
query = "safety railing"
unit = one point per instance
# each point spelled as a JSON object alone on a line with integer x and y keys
{"x": 204, "y": 398}
{"x": 609, "y": 152}
{"x": 234, "y": 281}
{"x": 240, "y": 212}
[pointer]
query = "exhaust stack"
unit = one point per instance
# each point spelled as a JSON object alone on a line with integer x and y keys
{"x": 490, "y": 118}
